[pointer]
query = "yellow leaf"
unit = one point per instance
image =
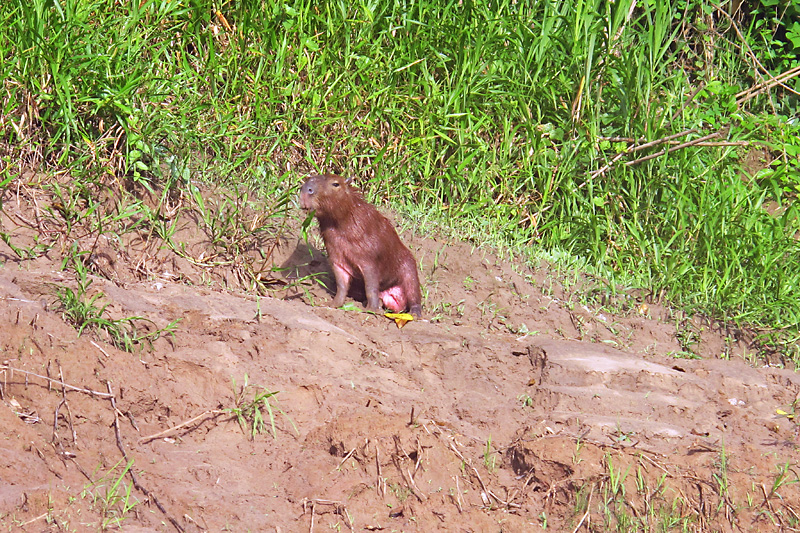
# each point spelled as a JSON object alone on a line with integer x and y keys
{"x": 400, "y": 318}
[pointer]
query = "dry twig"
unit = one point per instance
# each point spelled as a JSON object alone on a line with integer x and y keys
{"x": 409, "y": 479}
{"x": 528, "y": 479}
{"x": 673, "y": 148}
{"x": 338, "y": 508}
{"x": 761, "y": 70}
{"x": 4, "y": 368}
{"x": 131, "y": 473}
{"x": 345, "y": 458}
{"x": 211, "y": 412}
{"x": 586, "y": 514}
{"x": 474, "y": 470}
{"x": 638, "y": 148}
{"x": 458, "y": 496}
{"x": 381, "y": 485}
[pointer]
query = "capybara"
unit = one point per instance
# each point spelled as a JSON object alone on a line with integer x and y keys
{"x": 362, "y": 245}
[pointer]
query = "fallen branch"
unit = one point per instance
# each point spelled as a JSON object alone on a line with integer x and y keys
{"x": 3, "y": 368}
{"x": 672, "y": 149}
{"x": 704, "y": 143}
{"x": 663, "y": 140}
{"x": 212, "y": 412}
{"x": 762, "y": 71}
{"x": 768, "y": 84}
{"x": 135, "y": 480}
{"x": 638, "y": 148}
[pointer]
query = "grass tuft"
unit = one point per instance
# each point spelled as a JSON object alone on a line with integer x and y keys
{"x": 250, "y": 413}
{"x": 126, "y": 333}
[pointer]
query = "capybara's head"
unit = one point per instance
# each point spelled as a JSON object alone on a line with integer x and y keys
{"x": 321, "y": 191}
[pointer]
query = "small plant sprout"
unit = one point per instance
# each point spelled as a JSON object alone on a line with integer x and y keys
{"x": 526, "y": 400}
{"x": 576, "y": 455}
{"x": 489, "y": 457}
{"x": 786, "y": 475}
{"x": 720, "y": 477}
{"x": 616, "y": 478}
{"x": 112, "y": 496}
{"x": 249, "y": 413}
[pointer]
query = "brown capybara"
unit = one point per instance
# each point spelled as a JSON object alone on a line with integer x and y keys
{"x": 362, "y": 245}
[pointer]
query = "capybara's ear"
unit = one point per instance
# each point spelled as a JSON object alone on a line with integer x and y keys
{"x": 349, "y": 180}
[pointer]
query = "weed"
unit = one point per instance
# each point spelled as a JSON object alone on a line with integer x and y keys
{"x": 240, "y": 233}
{"x": 469, "y": 284}
{"x": 576, "y": 455}
{"x": 522, "y": 330}
{"x": 77, "y": 309}
{"x": 720, "y": 477}
{"x": 112, "y": 496}
{"x": 583, "y": 497}
{"x": 616, "y": 479}
{"x": 124, "y": 333}
{"x": 786, "y": 476}
{"x": 686, "y": 334}
{"x": 30, "y": 252}
{"x": 623, "y": 436}
{"x": 249, "y": 413}
{"x": 489, "y": 457}
{"x": 683, "y": 355}
{"x": 401, "y": 492}
{"x": 447, "y": 309}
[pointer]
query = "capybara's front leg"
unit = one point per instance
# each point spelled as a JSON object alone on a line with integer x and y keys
{"x": 343, "y": 278}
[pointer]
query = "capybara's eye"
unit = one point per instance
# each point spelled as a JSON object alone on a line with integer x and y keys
{"x": 335, "y": 183}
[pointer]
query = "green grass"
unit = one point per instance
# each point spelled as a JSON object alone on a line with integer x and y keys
{"x": 628, "y": 500}
{"x": 631, "y": 495}
{"x": 250, "y": 413}
{"x": 112, "y": 497}
{"x": 494, "y": 119}
{"x": 84, "y": 313}
{"x": 126, "y": 333}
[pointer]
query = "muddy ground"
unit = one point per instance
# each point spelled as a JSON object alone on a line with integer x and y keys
{"x": 524, "y": 401}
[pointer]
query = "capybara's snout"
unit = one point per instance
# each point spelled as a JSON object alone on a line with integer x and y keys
{"x": 307, "y": 192}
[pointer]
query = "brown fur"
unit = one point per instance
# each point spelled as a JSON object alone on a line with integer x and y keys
{"x": 362, "y": 245}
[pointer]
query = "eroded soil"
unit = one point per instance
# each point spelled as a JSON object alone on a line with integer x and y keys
{"x": 518, "y": 403}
